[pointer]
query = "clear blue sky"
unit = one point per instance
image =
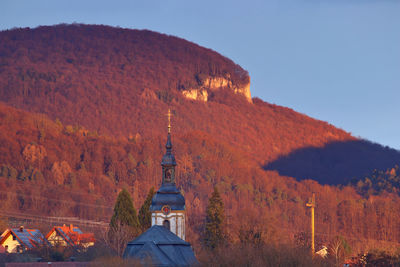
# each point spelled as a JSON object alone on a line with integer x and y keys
{"x": 334, "y": 60}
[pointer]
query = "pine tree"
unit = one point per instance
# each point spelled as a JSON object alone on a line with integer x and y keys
{"x": 214, "y": 235}
{"x": 144, "y": 212}
{"x": 124, "y": 212}
{"x": 124, "y": 224}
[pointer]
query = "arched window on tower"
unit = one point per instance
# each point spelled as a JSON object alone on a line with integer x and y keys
{"x": 166, "y": 224}
{"x": 168, "y": 176}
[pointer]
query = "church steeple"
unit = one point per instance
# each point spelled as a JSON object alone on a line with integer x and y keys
{"x": 168, "y": 162}
{"x": 168, "y": 204}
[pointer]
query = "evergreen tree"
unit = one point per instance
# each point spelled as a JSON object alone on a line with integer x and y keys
{"x": 144, "y": 212}
{"x": 124, "y": 224}
{"x": 214, "y": 235}
{"x": 124, "y": 212}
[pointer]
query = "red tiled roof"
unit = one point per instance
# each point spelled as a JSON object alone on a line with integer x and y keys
{"x": 72, "y": 235}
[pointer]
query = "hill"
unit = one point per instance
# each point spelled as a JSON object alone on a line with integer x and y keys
{"x": 87, "y": 119}
{"x": 119, "y": 82}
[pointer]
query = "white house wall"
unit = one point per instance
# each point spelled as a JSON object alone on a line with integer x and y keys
{"x": 11, "y": 244}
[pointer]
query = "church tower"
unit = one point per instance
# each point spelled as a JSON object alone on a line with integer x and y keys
{"x": 168, "y": 205}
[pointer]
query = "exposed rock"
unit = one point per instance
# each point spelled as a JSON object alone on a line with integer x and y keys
{"x": 244, "y": 91}
{"x": 213, "y": 84}
{"x": 196, "y": 94}
{"x": 217, "y": 82}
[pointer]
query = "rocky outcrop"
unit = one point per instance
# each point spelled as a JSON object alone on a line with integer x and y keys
{"x": 196, "y": 94}
{"x": 245, "y": 90}
{"x": 215, "y": 83}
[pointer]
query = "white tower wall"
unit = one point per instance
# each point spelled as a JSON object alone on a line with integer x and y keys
{"x": 176, "y": 220}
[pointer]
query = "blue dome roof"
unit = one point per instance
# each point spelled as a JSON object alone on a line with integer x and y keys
{"x": 168, "y": 195}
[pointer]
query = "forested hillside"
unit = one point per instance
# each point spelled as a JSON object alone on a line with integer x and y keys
{"x": 83, "y": 115}
{"x": 58, "y": 170}
{"x": 121, "y": 82}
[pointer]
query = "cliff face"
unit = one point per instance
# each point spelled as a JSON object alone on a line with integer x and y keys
{"x": 215, "y": 83}
{"x": 196, "y": 94}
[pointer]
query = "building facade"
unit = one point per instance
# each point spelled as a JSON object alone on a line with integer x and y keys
{"x": 69, "y": 236}
{"x": 15, "y": 240}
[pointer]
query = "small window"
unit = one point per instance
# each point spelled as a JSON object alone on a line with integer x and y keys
{"x": 6, "y": 248}
{"x": 14, "y": 237}
{"x": 166, "y": 224}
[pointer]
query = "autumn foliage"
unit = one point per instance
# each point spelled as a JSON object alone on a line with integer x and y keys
{"x": 82, "y": 116}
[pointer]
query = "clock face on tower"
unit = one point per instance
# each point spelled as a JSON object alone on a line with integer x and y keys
{"x": 166, "y": 209}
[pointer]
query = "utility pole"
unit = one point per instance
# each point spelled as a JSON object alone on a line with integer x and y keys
{"x": 311, "y": 204}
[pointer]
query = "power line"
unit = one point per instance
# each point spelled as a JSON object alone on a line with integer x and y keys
{"x": 51, "y": 219}
{"x": 57, "y": 200}
{"x": 24, "y": 183}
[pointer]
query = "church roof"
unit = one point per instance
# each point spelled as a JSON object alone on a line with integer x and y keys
{"x": 168, "y": 195}
{"x": 161, "y": 247}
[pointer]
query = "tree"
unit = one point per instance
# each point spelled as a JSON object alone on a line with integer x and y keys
{"x": 250, "y": 235}
{"x": 3, "y": 224}
{"x": 124, "y": 224}
{"x": 118, "y": 237}
{"x": 339, "y": 249}
{"x": 124, "y": 212}
{"x": 144, "y": 212}
{"x": 214, "y": 234}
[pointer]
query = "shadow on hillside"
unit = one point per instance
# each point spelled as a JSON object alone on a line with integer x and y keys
{"x": 337, "y": 162}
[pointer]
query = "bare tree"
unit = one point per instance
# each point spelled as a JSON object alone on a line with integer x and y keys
{"x": 339, "y": 248}
{"x": 117, "y": 237}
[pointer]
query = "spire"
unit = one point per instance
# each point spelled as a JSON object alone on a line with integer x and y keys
{"x": 169, "y": 121}
{"x": 168, "y": 146}
{"x": 168, "y": 162}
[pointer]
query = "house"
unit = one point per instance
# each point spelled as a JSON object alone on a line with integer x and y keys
{"x": 20, "y": 239}
{"x": 69, "y": 236}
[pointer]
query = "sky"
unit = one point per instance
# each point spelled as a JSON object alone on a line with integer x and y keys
{"x": 333, "y": 60}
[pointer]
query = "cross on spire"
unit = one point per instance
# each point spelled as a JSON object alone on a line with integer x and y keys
{"x": 169, "y": 120}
